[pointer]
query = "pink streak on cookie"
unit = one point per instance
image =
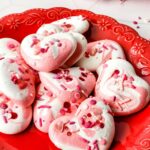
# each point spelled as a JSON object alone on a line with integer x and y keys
{"x": 80, "y": 50}
{"x": 119, "y": 85}
{"x": 13, "y": 118}
{"x": 17, "y": 81}
{"x": 99, "y": 52}
{"x": 75, "y": 23}
{"x": 92, "y": 127}
{"x": 9, "y": 47}
{"x": 47, "y": 53}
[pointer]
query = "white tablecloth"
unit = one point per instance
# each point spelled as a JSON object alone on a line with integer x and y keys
{"x": 127, "y": 12}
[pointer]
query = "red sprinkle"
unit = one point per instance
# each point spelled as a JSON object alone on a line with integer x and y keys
{"x": 67, "y": 105}
{"x": 69, "y": 133}
{"x": 72, "y": 122}
{"x": 3, "y": 106}
{"x": 101, "y": 125}
{"x": 14, "y": 115}
{"x": 44, "y": 106}
{"x": 93, "y": 102}
{"x": 88, "y": 124}
{"x": 40, "y": 122}
{"x": 83, "y": 74}
{"x": 82, "y": 79}
{"x": 23, "y": 85}
{"x": 135, "y": 22}
{"x": 44, "y": 50}
{"x": 89, "y": 115}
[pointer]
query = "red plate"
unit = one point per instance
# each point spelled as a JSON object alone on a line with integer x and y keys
{"x": 132, "y": 132}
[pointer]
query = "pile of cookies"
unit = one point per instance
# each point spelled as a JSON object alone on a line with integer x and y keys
{"x": 76, "y": 87}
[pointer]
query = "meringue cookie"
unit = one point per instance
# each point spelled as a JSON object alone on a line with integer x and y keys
{"x": 99, "y": 52}
{"x": 49, "y": 107}
{"x": 92, "y": 127}
{"x": 47, "y": 53}
{"x": 121, "y": 88}
{"x": 17, "y": 82}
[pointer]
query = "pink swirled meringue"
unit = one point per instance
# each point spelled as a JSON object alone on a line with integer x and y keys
{"x": 90, "y": 128}
{"x": 47, "y": 53}
{"x": 121, "y": 88}
{"x": 99, "y": 52}
{"x": 17, "y": 81}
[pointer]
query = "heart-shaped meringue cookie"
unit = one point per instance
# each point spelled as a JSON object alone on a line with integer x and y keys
{"x": 17, "y": 81}
{"x": 9, "y": 48}
{"x": 62, "y": 82}
{"x": 91, "y": 128}
{"x": 48, "y": 29}
{"x": 80, "y": 50}
{"x": 47, "y": 53}
{"x": 13, "y": 118}
{"x": 75, "y": 23}
{"x": 48, "y": 107}
{"x": 119, "y": 85}
{"x": 99, "y": 52}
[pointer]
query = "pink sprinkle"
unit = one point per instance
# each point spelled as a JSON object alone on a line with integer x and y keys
{"x": 93, "y": 102}
{"x": 11, "y": 46}
{"x": 44, "y": 106}
{"x": 2, "y": 58}
{"x": 103, "y": 142}
{"x": 14, "y": 79}
{"x": 5, "y": 119}
{"x": 35, "y": 41}
{"x": 131, "y": 79}
{"x": 125, "y": 77}
{"x": 133, "y": 87}
{"x": 105, "y": 47}
{"x": 59, "y": 44}
{"x": 135, "y": 22}
{"x": 82, "y": 121}
{"x": 44, "y": 50}
{"x": 78, "y": 88}
{"x": 62, "y": 111}
{"x": 72, "y": 122}
{"x": 105, "y": 66}
{"x": 82, "y": 69}
{"x": 88, "y": 124}
{"x": 40, "y": 122}
{"x": 51, "y": 42}
{"x": 21, "y": 70}
{"x": 3, "y": 106}
{"x": 77, "y": 95}
{"x": 63, "y": 87}
{"x": 139, "y": 18}
{"x": 82, "y": 79}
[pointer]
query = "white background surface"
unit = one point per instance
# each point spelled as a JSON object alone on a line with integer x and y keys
{"x": 126, "y": 12}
